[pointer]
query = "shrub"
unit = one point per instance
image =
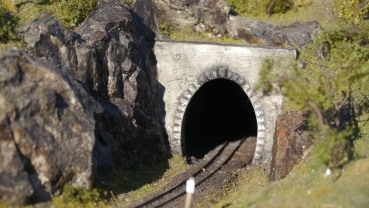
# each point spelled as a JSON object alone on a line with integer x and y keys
{"x": 352, "y": 10}
{"x": 333, "y": 87}
{"x": 72, "y": 197}
{"x": 260, "y": 7}
{"x": 72, "y": 12}
{"x": 7, "y": 25}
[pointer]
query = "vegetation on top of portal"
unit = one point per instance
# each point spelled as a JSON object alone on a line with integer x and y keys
{"x": 257, "y": 7}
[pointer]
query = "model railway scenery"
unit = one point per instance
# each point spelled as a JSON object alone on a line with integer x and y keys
{"x": 184, "y": 103}
{"x": 173, "y": 196}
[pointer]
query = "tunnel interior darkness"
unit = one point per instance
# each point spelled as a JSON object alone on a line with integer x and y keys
{"x": 219, "y": 111}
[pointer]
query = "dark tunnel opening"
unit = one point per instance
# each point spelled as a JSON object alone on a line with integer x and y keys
{"x": 219, "y": 111}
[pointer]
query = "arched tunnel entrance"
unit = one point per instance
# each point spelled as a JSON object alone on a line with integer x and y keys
{"x": 219, "y": 111}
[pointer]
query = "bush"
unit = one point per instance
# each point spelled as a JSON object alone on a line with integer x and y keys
{"x": 260, "y": 7}
{"x": 73, "y": 12}
{"x": 72, "y": 197}
{"x": 352, "y": 10}
{"x": 7, "y": 25}
{"x": 333, "y": 87}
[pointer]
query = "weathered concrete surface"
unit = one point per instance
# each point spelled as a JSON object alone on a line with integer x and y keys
{"x": 184, "y": 67}
{"x": 289, "y": 142}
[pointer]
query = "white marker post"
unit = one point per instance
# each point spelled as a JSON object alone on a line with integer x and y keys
{"x": 190, "y": 189}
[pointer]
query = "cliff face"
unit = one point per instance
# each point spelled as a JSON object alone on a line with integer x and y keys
{"x": 47, "y": 133}
{"x": 83, "y": 103}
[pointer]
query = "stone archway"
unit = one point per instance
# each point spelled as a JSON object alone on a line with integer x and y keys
{"x": 224, "y": 73}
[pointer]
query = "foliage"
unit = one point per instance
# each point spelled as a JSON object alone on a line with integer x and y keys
{"x": 257, "y": 7}
{"x": 333, "y": 87}
{"x": 165, "y": 28}
{"x": 352, "y": 10}
{"x": 126, "y": 187}
{"x": 69, "y": 12}
{"x": 7, "y": 25}
{"x": 334, "y": 148}
{"x": 189, "y": 34}
{"x": 72, "y": 12}
{"x": 72, "y": 197}
{"x": 129, "y": 3}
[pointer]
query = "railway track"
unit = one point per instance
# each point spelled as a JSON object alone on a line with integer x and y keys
{"x": 206, "y": 168}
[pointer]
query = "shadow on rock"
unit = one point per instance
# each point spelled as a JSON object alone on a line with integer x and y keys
{"x": 87, "y": 108}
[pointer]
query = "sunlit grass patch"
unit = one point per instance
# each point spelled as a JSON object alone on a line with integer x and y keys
{"x": 131, "y": 185}
{"x": 305, "y": 186}
{"x": 126, "y": 187}
{"x": 74, "y": 198}
{"x": 189, "y": 34}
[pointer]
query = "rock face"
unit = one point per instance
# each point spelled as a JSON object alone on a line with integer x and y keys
{"x": 289, "y": 143}
{"x": 271, "y": 34}
{"x": 47, "y": 135}
{"x": 86, "y": 104}
{"x": 205, "y": 15}
{"x": 212, "y": 17}
{"x": 102, "y": 53}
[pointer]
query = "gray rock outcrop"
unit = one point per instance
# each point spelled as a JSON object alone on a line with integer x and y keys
{"x": 204, "y": 15}
{"x": 271, "y": 34}
{"x": 86, "y": 104}
{"x": 103, "y": 54}
{"x": 213, "y": 17}
{"x": 47, "y": 134}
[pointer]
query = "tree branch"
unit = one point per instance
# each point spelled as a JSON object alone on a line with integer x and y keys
{"x": 318, "y": 112}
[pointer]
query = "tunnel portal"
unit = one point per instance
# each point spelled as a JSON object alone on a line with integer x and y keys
{"x": 184, "y": 67}
{"x": 219, "y": 111}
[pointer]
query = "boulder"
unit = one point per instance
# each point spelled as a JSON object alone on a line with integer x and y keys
{"x": 212, "y": 17}
{"x": 203, "y": 15}
{"x": 290, "y": 142}
{"x": 109, "y": 53}
{"x": 272, "y": 34}
{"x": 46, "y": 133}
{"x": 114, "y": 51}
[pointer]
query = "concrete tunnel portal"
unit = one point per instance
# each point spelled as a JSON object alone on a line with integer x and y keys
{"x": 219, "y": 106}
{"x": 219, "y": 111}
{"x": 190, "y": 72}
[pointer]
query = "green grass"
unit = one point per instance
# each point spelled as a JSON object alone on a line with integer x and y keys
{"x": 131, "y": 185}
{"x": 189, "y": 34}
{"x": 70, "y": 13}
{"x": 126, "y": 187}
{"x": 8, "y": 22}
{"x": 306, "y": 186}
{"x": 302, "y": 10}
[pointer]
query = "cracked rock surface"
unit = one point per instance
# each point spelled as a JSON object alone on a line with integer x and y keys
{"x": 83, "y": 102}
{"x": 42, "y": 121}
